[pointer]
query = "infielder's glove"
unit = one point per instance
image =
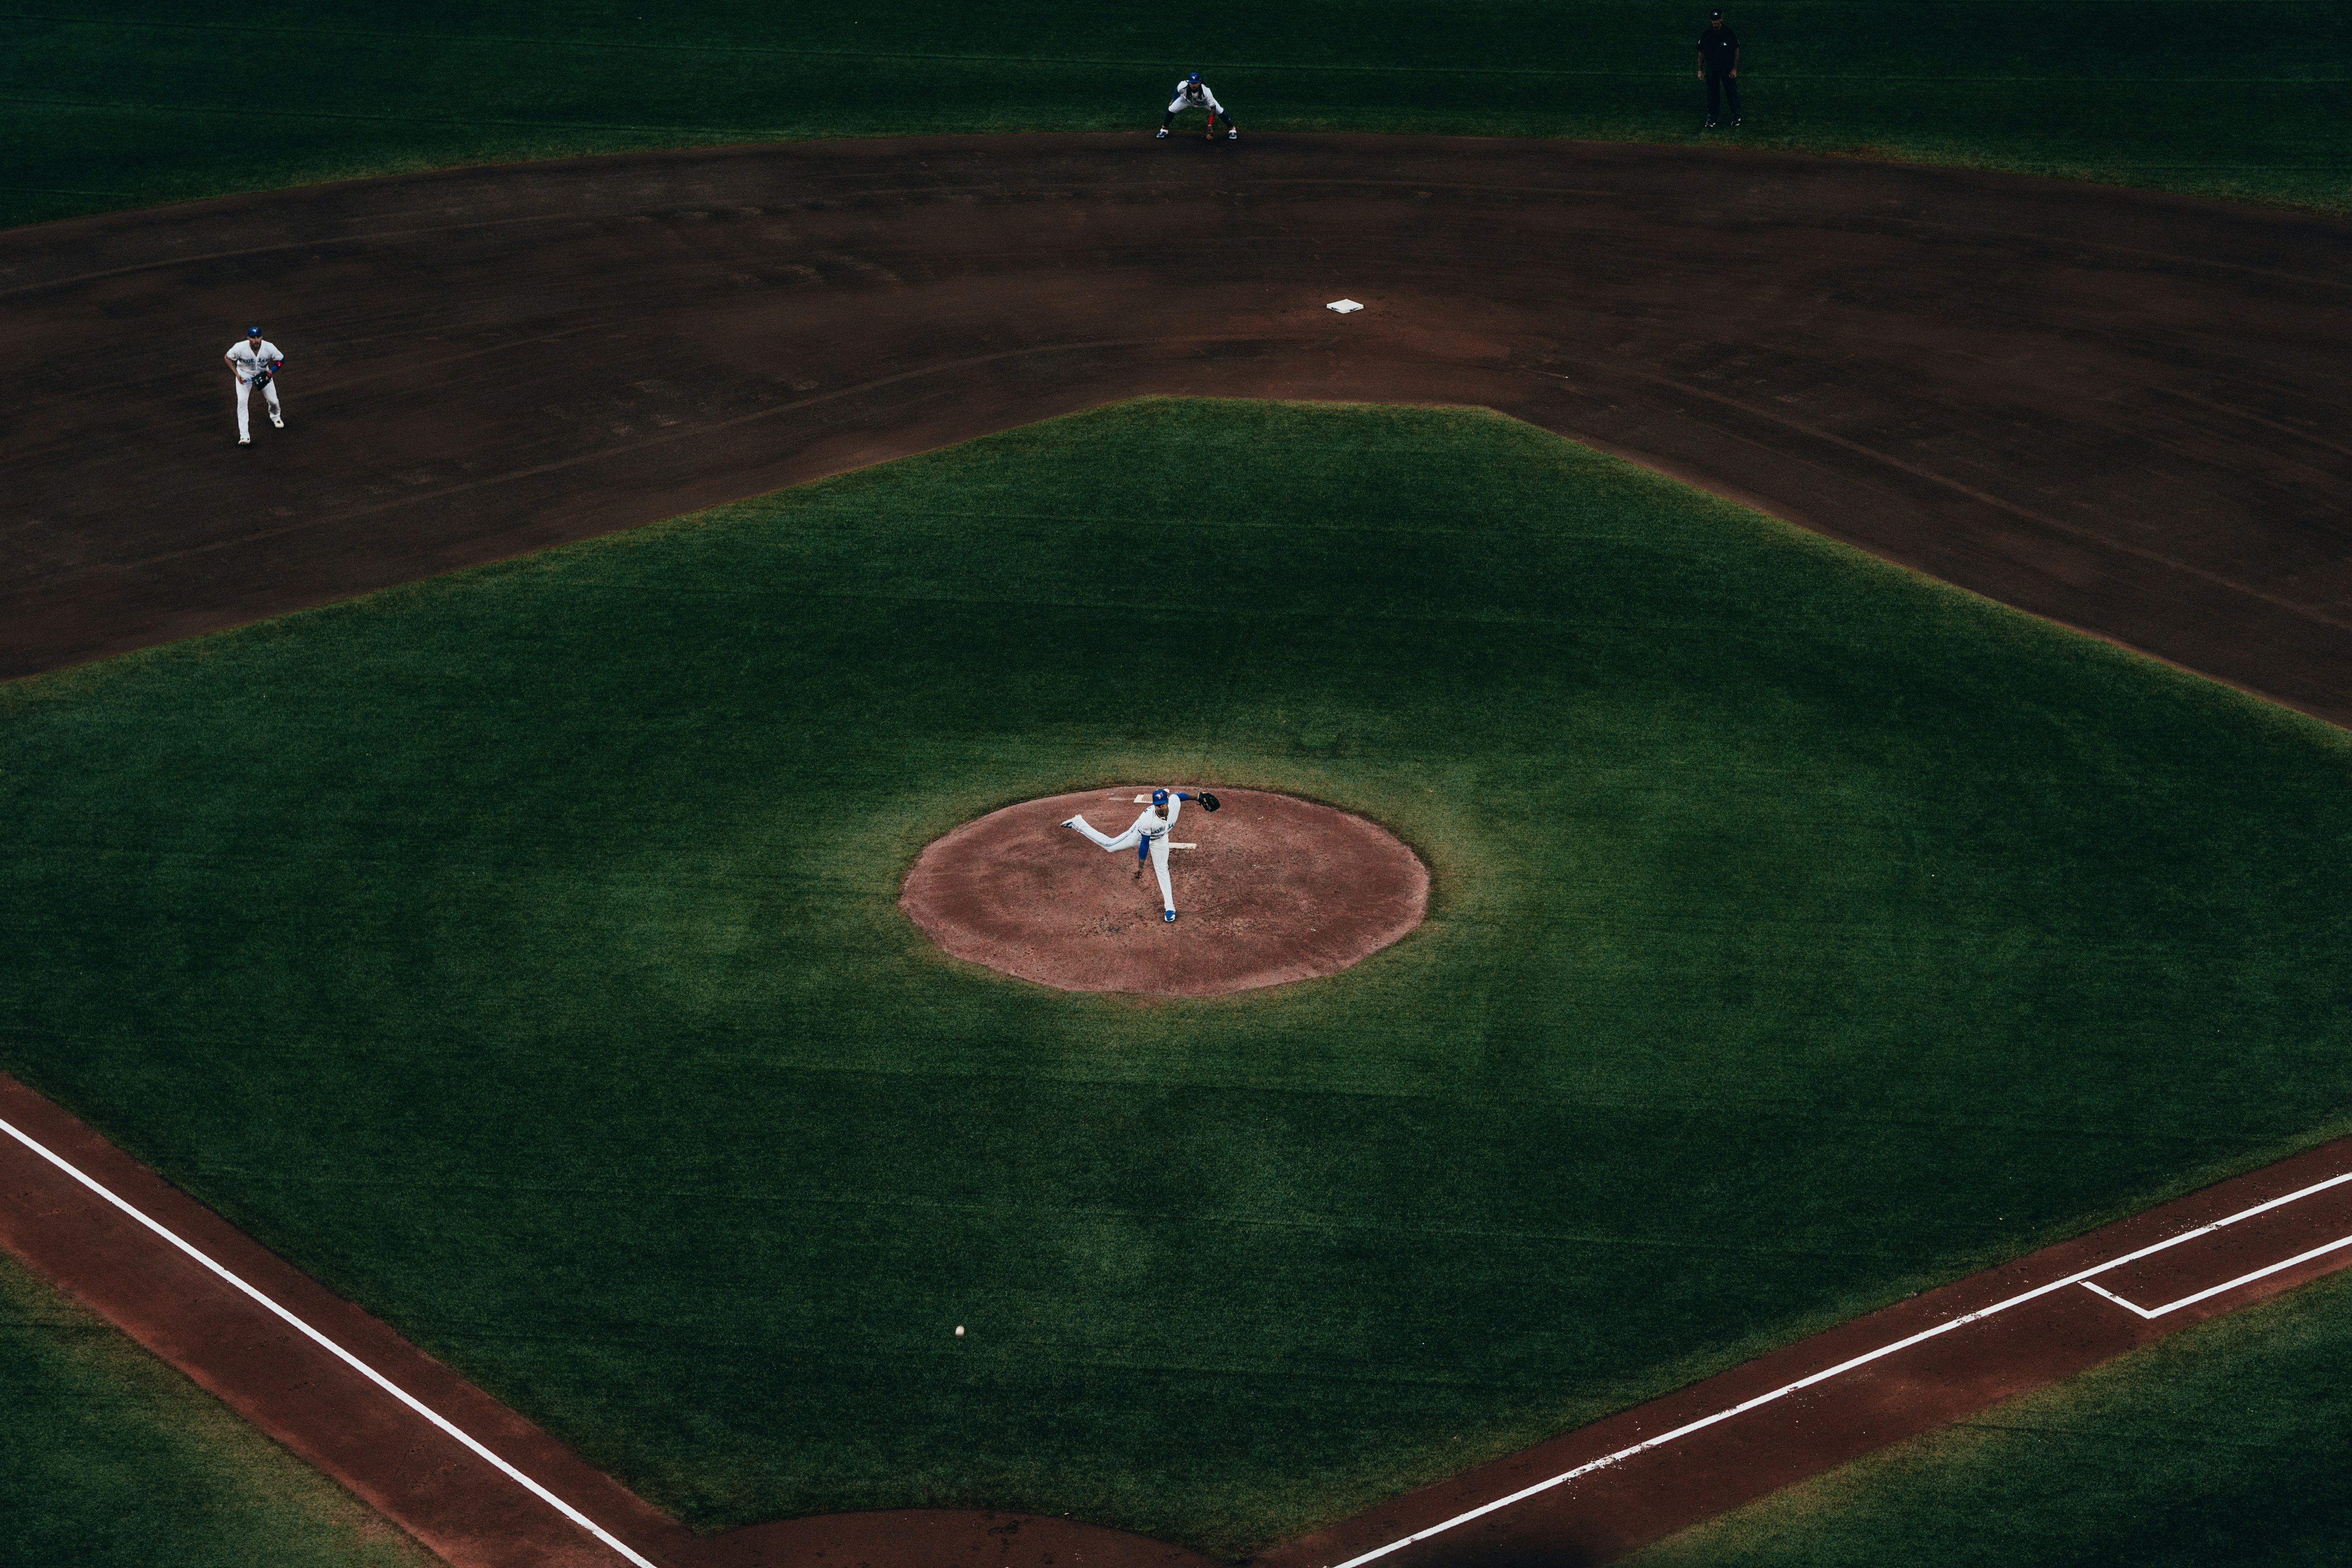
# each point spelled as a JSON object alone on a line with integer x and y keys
{"x": 261, "y": 378}
{"x": 1208, "y": 801}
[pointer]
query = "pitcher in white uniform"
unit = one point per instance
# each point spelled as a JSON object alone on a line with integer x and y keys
{"x": 1148, "y": 837}
{"x": 255, "y": 359}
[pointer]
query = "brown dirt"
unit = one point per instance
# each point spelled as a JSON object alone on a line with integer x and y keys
{"x": 1279, "y": 889}
{"x": 2122, "y": 410}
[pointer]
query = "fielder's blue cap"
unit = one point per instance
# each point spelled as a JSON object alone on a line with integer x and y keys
{"x": 253, "y": 331}
{"x": 1195, "y": 77}
{"x": 1159, "y": 797}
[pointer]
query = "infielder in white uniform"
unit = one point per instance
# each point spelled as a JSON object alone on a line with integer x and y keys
{"x": 255, "y": 362}
{"x": 1147, "y": 836}
{"x": 1193, "y": 94}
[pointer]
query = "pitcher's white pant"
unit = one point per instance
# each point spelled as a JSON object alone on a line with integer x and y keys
{"x": 1128, "y": 840}
{"x": 244, "y": 391}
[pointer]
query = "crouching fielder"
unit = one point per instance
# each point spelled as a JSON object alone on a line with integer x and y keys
{"x": 1193, "y": 94}
{"x": 1148, "y": 837}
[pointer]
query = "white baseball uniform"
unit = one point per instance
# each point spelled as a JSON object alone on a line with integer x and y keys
{"x": 1152, "y": 829}
{"x": 1194, "y": 95}
{"x": 247, "y": 358}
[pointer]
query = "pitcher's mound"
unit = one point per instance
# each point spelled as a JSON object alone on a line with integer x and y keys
{"x": 1278, "y": 889}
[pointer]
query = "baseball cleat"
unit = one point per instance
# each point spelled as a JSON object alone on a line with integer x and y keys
{"x": 1168, "y": 916}
{"x": 245, "y": 440}
{"x": 1162, "y": 136}
{"x": 1232, "y": 135}
{"x": 1708, "y": 126}
{"x": 277, "y": 421}
{"x": 1736, "y": 123}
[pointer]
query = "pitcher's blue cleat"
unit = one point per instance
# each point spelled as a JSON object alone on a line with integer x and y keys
{"x": 1169, "y": 915}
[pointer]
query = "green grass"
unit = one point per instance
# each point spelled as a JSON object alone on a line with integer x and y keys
{"x": 139, "y": 102}
{"x": 2229, "y": 1443}
{"x": 518, "y": 951}
{"x": 111, "y": 1459}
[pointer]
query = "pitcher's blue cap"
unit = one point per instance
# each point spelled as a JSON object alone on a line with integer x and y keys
{"x": 1159, "y": 797}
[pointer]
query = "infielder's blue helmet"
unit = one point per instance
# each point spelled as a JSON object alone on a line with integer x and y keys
{"x": 1159, "y": 797}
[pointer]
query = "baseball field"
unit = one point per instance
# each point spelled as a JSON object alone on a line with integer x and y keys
{"x": 515, "y": 950}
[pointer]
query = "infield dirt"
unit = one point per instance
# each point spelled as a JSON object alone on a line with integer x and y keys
{"x": 2119, "y": 410}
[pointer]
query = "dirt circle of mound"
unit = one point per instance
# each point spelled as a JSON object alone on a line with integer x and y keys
{"x": 1277, "y": 889}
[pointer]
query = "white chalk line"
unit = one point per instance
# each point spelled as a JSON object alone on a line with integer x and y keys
{"x": 2153, "y": 1312}
{"x": 557, "y": 1503}
{"x": 1842, "y": 1367}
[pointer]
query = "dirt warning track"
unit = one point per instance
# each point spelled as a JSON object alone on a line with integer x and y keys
{"x": 2124, "y": 410}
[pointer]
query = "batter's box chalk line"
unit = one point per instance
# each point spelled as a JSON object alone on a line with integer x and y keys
{"x": 2154, "y": 1312}
{"x": 1343, "y": 306}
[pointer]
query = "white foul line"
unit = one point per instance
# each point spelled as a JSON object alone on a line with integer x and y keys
{"x": 557, "y": 1503}
{"x": 1868, "y": 1356}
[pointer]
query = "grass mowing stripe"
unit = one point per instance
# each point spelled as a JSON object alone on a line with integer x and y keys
{"x": 344, "y": 115}
{"x": 1654, "y": 73}
{"x": 1804, "y": 932}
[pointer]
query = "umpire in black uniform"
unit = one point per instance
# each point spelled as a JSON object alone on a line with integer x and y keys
{"x": 1718, "y": 67}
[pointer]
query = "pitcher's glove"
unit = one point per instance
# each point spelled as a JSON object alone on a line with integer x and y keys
{"x": 261, "y": 378}
{"x": 1208, "y": 801}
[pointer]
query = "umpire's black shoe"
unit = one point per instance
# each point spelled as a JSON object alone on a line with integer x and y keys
{"x": 1708, "y": 126}
{"x": 1736, "y": 122}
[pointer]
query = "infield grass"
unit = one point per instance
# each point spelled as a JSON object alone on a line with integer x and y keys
{"x": 518, "y": 951}
{"x": 2227, "y": 1443}
{"x": 137, "y": 103}
{"x": 111, "y": 1459}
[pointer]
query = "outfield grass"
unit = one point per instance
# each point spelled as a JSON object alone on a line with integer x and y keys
{"x": 2227, "y": 1443}
{"x": 111, "y": 1459}
{"x": 139, "y": 101}
{"x": 519, "y": 951}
